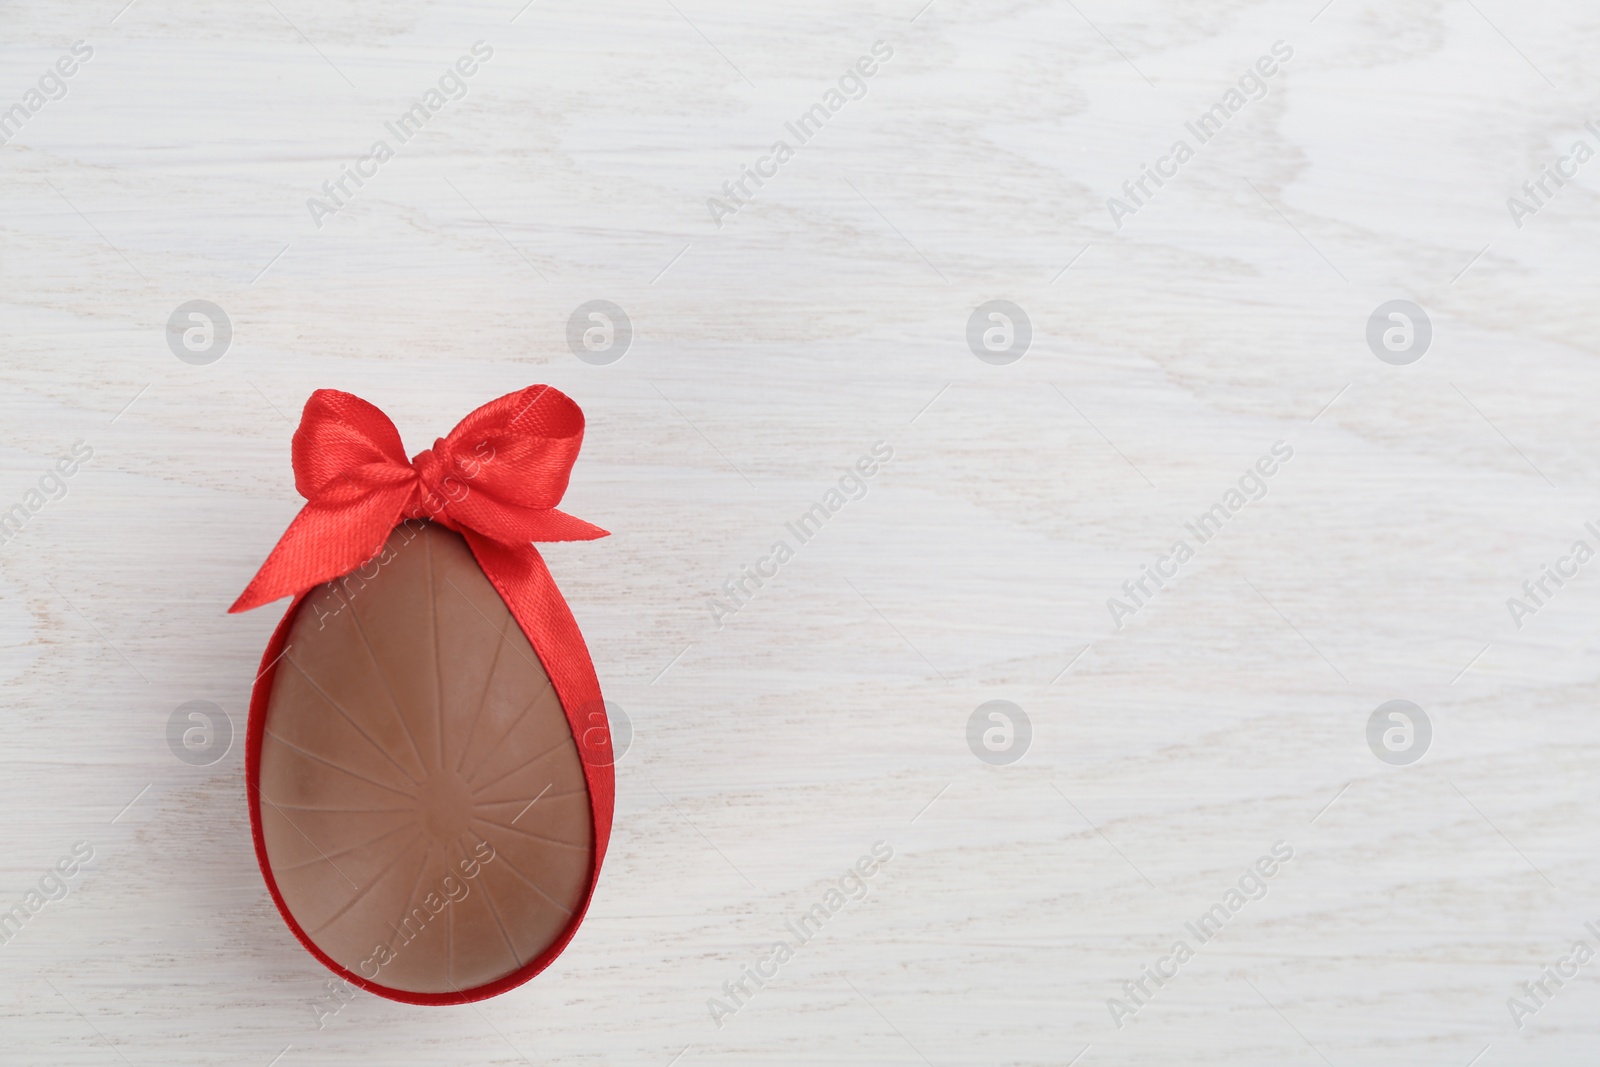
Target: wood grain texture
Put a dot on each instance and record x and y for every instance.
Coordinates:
(773, 746)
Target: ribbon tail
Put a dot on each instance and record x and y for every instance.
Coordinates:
(323, 542)
(516, 526)
(559, 526)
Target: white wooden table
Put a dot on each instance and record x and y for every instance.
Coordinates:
(769, 353)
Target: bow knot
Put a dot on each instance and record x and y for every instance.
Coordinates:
(497, 476)
(433, 486)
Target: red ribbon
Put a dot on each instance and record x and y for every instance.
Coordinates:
(495, 480)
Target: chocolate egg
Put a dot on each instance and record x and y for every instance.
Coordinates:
(424, 810)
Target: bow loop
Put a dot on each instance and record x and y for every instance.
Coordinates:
(531, 439)
(498, 474)
(343, 439)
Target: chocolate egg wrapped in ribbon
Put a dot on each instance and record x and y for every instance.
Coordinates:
(428, 761)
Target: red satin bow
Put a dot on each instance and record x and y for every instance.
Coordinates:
(498, 475)
(496, 480)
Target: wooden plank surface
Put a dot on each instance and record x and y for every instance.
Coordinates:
(1176, 339)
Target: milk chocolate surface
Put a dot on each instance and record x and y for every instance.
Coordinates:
(423, 804)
